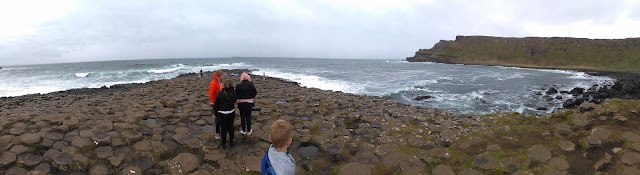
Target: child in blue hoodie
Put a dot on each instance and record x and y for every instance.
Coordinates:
(278, 161)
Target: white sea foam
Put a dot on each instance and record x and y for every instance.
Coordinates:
(313, 81)
(82, 75)
(7, 91)
(161, 71)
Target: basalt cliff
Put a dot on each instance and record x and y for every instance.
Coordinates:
(536, 52)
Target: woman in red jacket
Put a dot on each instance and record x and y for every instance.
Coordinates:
(214, 88)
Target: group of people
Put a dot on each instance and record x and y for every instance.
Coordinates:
(224, 98)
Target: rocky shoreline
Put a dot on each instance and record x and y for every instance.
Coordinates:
(164, 127)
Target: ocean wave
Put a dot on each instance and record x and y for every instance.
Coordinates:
(83, 75)
(314, 81)
(8, 91)
(162, 71)
(16, 68)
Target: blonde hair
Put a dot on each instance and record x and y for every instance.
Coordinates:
(281, 132)
(219, 73)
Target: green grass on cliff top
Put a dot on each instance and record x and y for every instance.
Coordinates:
(550, 55)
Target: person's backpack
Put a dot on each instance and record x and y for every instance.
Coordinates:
(266, 167)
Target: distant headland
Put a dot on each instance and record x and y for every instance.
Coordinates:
(537, 52)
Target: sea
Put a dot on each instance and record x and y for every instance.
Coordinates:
(465, 89)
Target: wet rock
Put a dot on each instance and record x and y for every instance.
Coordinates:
(81, 142)
(620, 118)
(7, 158)
(104, 152)
(593, 142)
(55, 136)
(510, 164)
(539, 153)
(422, 97)
(143, 163)
(183, 163)
(395, 158)
(308, 152)
(630, 171)
(99, 170)
(63, 158)
(60, 144)
(131, 170)
(115, 160)
(100, 137)
(143, 145)
(493, 147)
(253, 163)
(29, 159)
(581, 120)
(18, 149)
(551, 91)
(355, 168)
(440, 152)
(131, 136)
(566, 145)
(104, 126)
(30, 138)
(485, 161)
(631, 137)
(16, 131)
(577, 91)
(602, 163)
(630, 158)
(559, 163)
(601, 133)
(181, 130)
(86, 133)
(43, 167)
(16, 171)
(442, 170)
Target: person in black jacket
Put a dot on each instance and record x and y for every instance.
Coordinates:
(246, 94)
(224, 108)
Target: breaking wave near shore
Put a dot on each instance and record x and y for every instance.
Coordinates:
(45, 79)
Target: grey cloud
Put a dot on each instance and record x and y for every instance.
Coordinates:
(105, 30)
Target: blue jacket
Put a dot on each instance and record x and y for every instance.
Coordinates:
(283, 163)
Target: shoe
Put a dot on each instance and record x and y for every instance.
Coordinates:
(223, 145)
(250, 131)
(217, 137)
(231, 144)
(242, 132)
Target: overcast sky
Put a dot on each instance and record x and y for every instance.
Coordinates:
(33, 32)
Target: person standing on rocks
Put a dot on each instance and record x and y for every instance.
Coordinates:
(214, 88)
(246, 92)
(224, 109)
(200, 72)
(278, 160)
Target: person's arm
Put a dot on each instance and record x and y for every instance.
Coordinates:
(211, 93)
(237, 89)
(253, 92)
(216, 106)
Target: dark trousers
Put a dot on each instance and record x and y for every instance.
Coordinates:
(226, 123)
(216, 120)
(245, 115)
